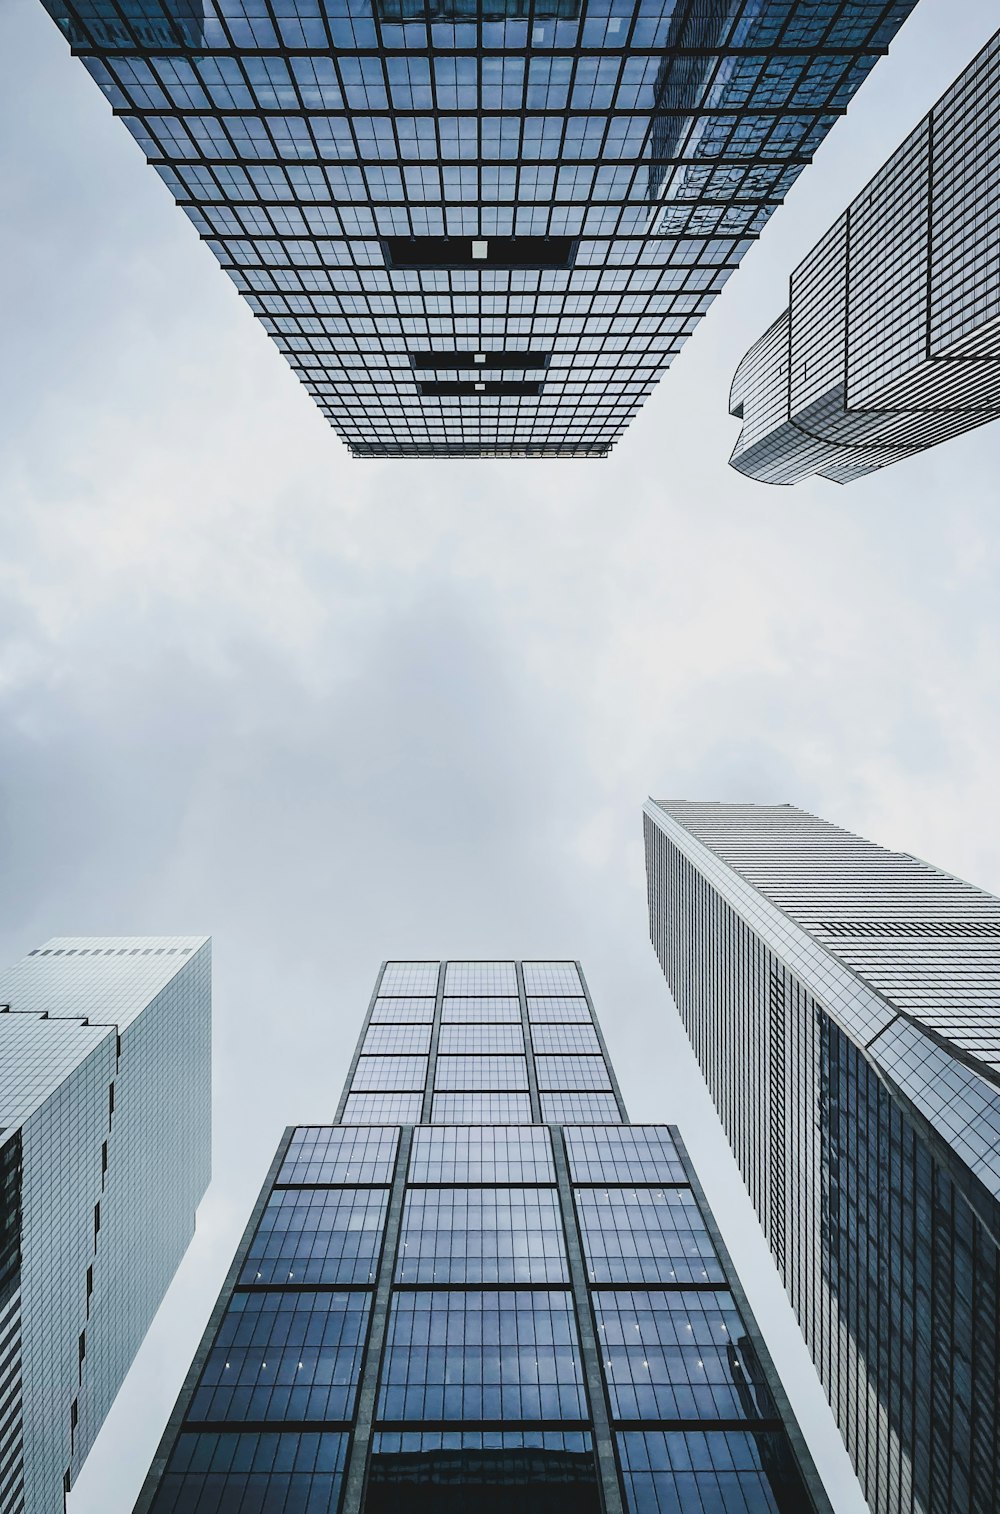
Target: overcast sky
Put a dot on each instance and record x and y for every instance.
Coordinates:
(333, 711)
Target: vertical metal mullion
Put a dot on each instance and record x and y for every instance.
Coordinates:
(432, 1051)
(356, 1474)
(529, 1050)
(612, 1497)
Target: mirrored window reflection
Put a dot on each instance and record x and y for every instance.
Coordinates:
(645, 1235)
(627, 1154)
(382, 1108)
(330, 1154)
(210, 1471)
(552, 978)
(481, 1235)
(482, 1472)
(580, 1108)
(480, 1039)
(285, 1356)
(482, 1154)
(403, 1012)
(317, 1236)
(482, 1355)
(678, 1355)
(409, 978)
(556, 1009)
(709, 1472)
(481, 1012)
(481, 1108)
(481, 1073)
(490, 978)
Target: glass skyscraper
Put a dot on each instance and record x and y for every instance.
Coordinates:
(481, 1289)
(105, 1152)
(844, 1004)
(891, 340)
(479, 227)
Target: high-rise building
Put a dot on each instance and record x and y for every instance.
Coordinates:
(105, 1152)
(844, 1004)
(891, 340)
(479, 227)
(481, 1289)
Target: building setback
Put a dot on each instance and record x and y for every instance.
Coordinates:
(481, 1289)
(844, 1004)
(479, 229)
(105, 1152)
(891, 340)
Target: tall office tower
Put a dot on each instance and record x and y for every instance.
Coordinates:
(105, 1151)
(479, 227)
(844, 1004)
(481, 1289)
(891, 340)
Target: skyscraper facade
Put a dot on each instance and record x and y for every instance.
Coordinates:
(844, 1004)
(479, 227)
(481, 1289)
(891, 340)
(105, 1152)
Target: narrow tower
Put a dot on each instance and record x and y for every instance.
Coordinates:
(844, 1004)
(481, 1289)
(105, 1152)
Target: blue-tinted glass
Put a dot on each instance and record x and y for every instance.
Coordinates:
(645, 1235)
(481, 1154)
(402, 1074)
(318, 1237)
(480, 1108)
(481, 1011)
(482, 1355)
(709, 1472)
(579, 1108)
(481, 1235)
(329, 1154)
(628, 1154)
(285, 1356)
(379, 1108)
(572, 1073)
(235, 1472)
(481, 1073)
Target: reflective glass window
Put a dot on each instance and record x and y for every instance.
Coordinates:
(480, 978)
(479, 1039)
(317, 1236)
(482, 1355)
(566, 1038)
(211, 1471)
(480, 1108)
(572, 1072)
(624, 1154)
(481, 1072)
(284, 1356)
(645, 1235)
(409, 979)
(481, 1012)
(709, 1472)
(481, 1235)
(676, 1356)
(401, 1073)
(555, 1009)
(399, 1040)
(579, 1108)
(403, 1012)
(552, 978)
(491, 1471)
(379, 1108)
(330, 1154)
(481, 1154)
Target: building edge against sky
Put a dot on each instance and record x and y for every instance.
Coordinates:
(105, 1153)
(844, 1004)
(479, 227)
(891, 340)
(481, 1287)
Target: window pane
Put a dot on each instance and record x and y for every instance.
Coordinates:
(645, 1235)
(310, 1236)
(214, 1471)
(482, 1355)
(481, 1072)
(572, 1072)
(481, 1038)
(409, 978)
(480, 978)
(566, 1038)
(399, 1039)
(403, 1011)
(330, 1154)
(483, 1011)
(709, 1472)
(284, 1356)
(552, 978)
(402, 1073)
(480, 1108)
(492, 1471)
(555, 1009)
(481, 1154)
(382, 1108)
(626, 1154)
(481, 1235)
(579, 1108)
